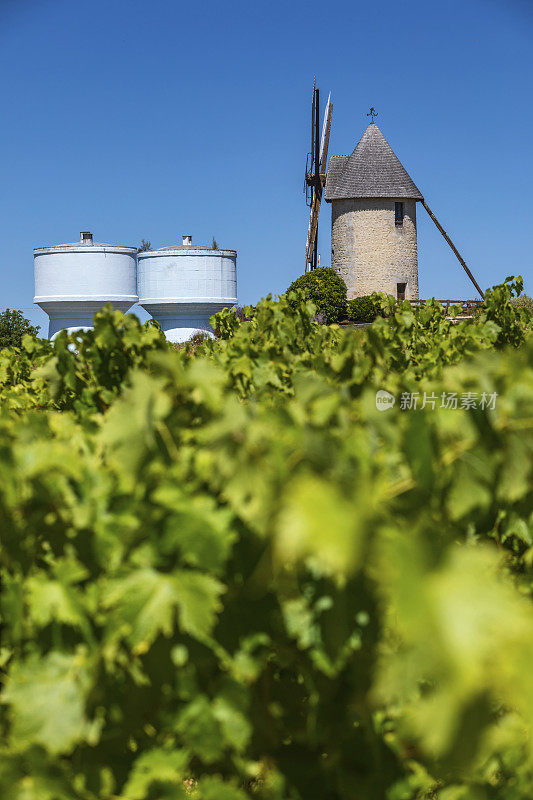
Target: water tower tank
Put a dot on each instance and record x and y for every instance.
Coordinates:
(72, 281)
(182, 286)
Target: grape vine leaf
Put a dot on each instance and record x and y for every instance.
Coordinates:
(47, 696)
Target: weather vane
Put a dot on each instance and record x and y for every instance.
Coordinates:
(372, 113)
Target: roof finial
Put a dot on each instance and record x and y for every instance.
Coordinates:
(372, 113)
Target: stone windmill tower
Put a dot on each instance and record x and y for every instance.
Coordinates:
(373, 219)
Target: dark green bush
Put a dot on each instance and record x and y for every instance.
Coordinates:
(326, 289)
(363, 309)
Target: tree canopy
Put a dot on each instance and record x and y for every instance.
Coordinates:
(13, 326)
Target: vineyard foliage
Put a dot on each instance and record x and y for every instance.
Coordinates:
(227, 574)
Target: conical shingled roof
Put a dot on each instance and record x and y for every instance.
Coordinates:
(372, 170)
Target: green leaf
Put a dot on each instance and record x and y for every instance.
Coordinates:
(196, 528)
(198, 602)
(235, 725)
(316, 520)
(47, 698)
(214, 788)
(200, 730)
(34, 775)
(146, 602)
(50, 600)
(131, 426)
(157, 770)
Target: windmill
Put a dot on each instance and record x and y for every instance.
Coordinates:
(315, 173)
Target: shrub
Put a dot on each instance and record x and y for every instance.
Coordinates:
(326, 289)
(363, 309)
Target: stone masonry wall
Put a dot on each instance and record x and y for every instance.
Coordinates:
(370, 252)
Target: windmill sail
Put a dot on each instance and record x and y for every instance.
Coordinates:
(315, 176)
(324, 126)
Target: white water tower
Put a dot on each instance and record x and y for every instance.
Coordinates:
(72, 281)
(183, 286)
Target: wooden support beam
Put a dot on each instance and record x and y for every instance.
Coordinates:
(455, 250)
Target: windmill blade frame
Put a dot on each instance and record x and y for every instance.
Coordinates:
(313, 132)
(315, 177)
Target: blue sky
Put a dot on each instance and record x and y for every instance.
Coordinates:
(157, 118)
